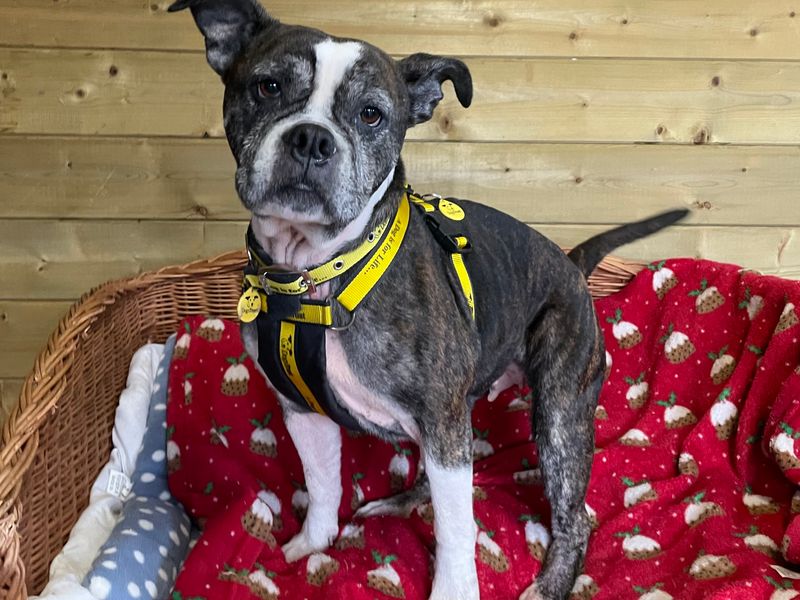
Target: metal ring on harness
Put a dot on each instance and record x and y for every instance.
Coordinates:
(349, 323)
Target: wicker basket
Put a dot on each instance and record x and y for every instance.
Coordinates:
(59, 437)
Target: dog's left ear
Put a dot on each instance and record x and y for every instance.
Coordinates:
(227, 25)
(424, 75)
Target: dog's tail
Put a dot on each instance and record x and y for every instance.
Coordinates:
(588, 254)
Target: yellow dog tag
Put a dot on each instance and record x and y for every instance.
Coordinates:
(249, 305)
(451, 210)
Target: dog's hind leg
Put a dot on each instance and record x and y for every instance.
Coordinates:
(399, 505)
(565, 371)
(319, 443)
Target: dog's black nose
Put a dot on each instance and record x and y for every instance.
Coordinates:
(310, 141)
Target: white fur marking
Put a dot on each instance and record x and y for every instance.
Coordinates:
(512, 376)
(454, 526)
(319, 443)
(334, 60)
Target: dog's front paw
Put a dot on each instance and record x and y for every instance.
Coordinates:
(304, 544)
(455, 586)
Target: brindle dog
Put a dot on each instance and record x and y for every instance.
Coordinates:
(316, 124)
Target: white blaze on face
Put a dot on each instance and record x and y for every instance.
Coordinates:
(334, 60)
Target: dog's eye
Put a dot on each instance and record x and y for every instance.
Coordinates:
(371, 116)
(269, 88)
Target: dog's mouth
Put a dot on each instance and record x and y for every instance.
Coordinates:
(298, 201)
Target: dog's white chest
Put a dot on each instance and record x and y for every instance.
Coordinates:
(365, 403)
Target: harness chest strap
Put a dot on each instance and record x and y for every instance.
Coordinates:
(292, 349)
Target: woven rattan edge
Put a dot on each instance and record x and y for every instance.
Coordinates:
(44, 386)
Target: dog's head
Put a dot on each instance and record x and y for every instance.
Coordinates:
(316, 123)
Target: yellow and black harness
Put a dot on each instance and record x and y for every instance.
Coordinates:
(291, 328)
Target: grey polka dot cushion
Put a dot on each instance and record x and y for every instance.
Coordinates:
(142, 555)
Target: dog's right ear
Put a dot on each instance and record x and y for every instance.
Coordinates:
(227, 25)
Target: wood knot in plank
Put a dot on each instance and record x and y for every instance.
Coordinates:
(703, 136)
(492, 20)
(703, 204)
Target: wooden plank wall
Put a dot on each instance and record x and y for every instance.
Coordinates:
(586, 114)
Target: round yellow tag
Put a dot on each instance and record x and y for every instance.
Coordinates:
(451, 210)
(249, 305)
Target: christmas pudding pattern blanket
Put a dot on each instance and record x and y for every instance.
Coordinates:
(693, 491)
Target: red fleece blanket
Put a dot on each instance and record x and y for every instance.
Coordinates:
(693, 490)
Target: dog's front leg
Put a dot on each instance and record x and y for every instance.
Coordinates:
(448, 463)
(319, 443)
